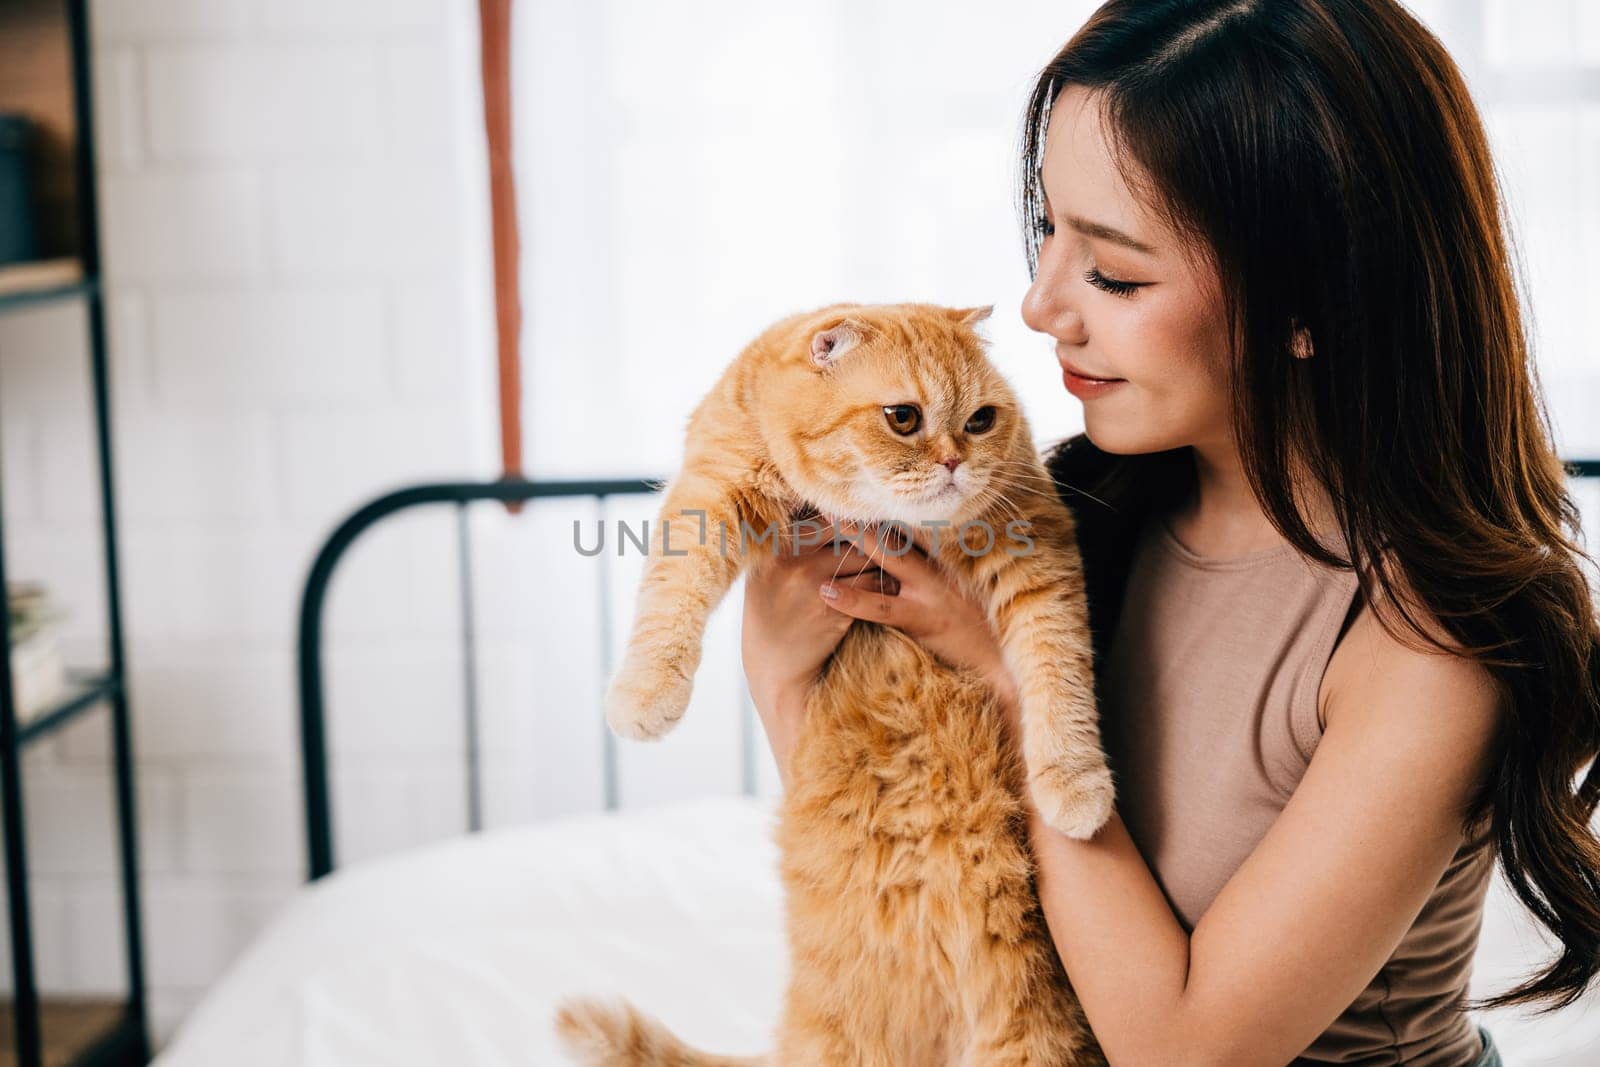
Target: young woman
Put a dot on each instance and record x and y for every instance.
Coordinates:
(1346, 654)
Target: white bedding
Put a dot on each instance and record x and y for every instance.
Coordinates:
(457, 953)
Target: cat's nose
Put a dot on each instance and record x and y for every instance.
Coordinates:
(951, 462)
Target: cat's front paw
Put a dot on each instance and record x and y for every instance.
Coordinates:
(1075, 799)
(643, 703)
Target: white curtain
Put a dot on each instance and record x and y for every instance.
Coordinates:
(689, 173)
(1534, 67)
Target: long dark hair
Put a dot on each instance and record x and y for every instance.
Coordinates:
(1328, 156)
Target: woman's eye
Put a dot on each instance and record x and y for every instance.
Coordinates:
(1114, 286)
(903, 418)
(982, 420)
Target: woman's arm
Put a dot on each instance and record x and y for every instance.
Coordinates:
(788, 632)
(1106, 912)
(1315, 910)
(1318, 906)
(781, 710)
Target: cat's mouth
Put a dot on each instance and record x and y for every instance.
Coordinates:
(943, 495)
(945, 490)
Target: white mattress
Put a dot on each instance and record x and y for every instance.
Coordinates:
(457, 953)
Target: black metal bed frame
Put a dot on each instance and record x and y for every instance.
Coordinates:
(313, 736)
(319, 829)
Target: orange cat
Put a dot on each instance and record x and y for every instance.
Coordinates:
(915, 931)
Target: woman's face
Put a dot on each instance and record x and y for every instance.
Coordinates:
(1123, 299)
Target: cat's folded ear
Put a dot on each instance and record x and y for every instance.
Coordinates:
(971, 316)
(830, 345)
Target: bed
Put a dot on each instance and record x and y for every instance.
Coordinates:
(458, 951)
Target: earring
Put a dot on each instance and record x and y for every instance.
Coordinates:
(1300, 343)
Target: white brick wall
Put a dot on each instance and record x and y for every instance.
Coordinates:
(175, 226)
(291, 101)
(297, 266)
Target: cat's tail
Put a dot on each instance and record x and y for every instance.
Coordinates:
(617, 1034)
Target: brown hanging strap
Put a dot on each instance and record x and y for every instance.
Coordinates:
(494, 18)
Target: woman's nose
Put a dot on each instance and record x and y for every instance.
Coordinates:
(1046, 308)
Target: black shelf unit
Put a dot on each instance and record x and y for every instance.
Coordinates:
(124, 1039)
(84, 287)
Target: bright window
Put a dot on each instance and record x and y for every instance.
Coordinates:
(689, 173)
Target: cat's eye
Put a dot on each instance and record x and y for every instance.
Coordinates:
(903, 418)
(982, 420)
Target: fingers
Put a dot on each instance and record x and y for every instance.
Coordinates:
(886, 547)
(845, 564)
(879, 599)
(821, 543)
(868, 580)
(874, 603)
(815, 550)
(834, 550)
(808, 534)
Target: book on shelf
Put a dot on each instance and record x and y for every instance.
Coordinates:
(39, 276)
(38, 673)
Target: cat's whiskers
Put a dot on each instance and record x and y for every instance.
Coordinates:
(1037, 471)
(1014, 481)
(987, 496)
(1023, 472)
(1091, 496)
(1046, 478)
(992, 496)
(843, 556)
(1055, 484)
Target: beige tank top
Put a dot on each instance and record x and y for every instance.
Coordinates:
(1210, 720)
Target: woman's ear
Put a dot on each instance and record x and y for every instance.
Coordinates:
(830, 345)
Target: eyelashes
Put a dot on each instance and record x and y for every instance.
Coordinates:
(1104, 282)
(1114, 286)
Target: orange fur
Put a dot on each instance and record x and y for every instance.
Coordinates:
(915, 931)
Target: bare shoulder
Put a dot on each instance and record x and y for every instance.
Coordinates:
(1373, 669)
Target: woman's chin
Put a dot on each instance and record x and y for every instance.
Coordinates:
(1120, 439)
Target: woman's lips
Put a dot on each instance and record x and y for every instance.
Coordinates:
(1079, 372)
(1084, 387)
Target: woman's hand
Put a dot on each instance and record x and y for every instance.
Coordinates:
(789, 631)
(929, 608)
